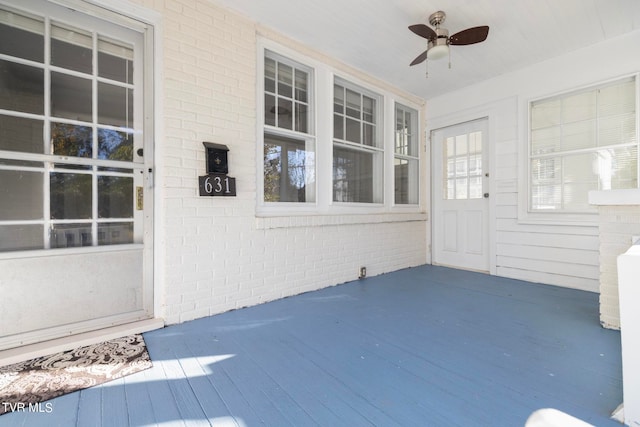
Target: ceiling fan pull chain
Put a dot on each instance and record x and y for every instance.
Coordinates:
(426, 75)
(449, 58)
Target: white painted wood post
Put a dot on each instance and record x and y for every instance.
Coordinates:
(629, 295)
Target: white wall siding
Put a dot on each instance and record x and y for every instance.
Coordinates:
(564, 254)
(217, 254)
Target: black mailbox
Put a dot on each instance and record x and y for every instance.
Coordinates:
(216, 156)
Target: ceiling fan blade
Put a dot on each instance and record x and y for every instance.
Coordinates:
(470, 36)
(420, 58)
(423, 31)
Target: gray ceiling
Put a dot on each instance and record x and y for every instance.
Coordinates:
(372, 35)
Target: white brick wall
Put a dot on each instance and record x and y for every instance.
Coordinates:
(618, 224)
(217, 255)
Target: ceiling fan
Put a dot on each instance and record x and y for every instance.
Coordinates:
(439, 39)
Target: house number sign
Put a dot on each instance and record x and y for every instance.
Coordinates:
(217, 185)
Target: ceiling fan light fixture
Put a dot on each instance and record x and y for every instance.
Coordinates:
(438, 52)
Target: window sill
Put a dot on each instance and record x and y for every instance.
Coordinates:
(318, 220)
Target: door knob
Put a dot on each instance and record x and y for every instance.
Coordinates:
(486, 195)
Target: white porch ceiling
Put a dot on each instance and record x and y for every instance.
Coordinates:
(372, 35)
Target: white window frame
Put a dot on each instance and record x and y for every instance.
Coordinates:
(414, 181)
(525, 212)
(325, 73)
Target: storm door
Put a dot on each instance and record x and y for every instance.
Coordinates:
(75, 164)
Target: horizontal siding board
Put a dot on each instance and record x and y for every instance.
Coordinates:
(550, 279)
(551, 267)
(573, 256)
(547, 240)
(511, 224)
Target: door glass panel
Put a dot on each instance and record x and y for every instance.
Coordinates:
(70, 195)
(115, 197)
(115, 233)
(21, 195)
(462, 167)
(22, 88)
(70, 235)
(115, 145)
(21, 237)
(115, 61)
(21, 36)
(71, 48)
(71, 140)
(19, 134)
(70, 97)
(115, 105)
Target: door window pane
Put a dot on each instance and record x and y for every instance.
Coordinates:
(21, 36)
(21, 195)
(21, 237)
(71, 48)
(115, 105)
(22, 88)
(115, 145)
(19, 134)
(70, 195)
(71, 140)
(70, 97)
(70, 235)
(116, 233)
(462, 166)
(115, 197)
(115, 61)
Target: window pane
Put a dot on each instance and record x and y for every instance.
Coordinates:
(462, 188)
(285, 80)
(368, 109)
(546, 140)
(579, 135)
(115, 105)
(115, 145)
(115, 197)
(353, 131)
(289, 170)
(406, 181)
(475, 187)
(71, 48)
(115, 61)
(269, 110)
(338, 99)
(546, 113)
(356, 176)
(70, 97)
(269, 75)
(353, 104)
(21, 195)
(579, 107)
(70, 235)
(116, 233)
(617, 168)
(21, 237)
(368, 135)
(22, 88)
(21, 36)
(71, 140)
(546, 197)
(285, 113)
(70, 195)
(620, 129)
(301, 86)
(301, 117)
(338, 126)
(18, 134)
(618, 98)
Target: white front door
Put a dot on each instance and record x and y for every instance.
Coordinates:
(460, 196)
(76, 208)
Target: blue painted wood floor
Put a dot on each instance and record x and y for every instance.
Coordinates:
(426, 346)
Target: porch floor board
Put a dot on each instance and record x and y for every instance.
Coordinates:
(426, 346)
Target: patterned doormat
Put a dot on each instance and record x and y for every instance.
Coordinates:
(44, 378)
